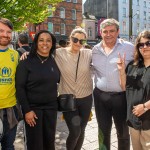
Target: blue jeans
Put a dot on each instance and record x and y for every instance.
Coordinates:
(9, 135)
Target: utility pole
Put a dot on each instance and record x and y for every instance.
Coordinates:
(107, 16)
(130, 19)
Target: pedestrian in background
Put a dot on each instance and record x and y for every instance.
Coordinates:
(62, 43)
(67, 59)
(8, 104)
(23, 42)
(36, 84)
(136, 81)
(109, 98)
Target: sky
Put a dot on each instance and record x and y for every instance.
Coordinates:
(83, 1)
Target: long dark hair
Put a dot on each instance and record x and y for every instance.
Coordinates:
(137, 55)
(35, 42)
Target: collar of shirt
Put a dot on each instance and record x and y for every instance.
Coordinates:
(119, 41)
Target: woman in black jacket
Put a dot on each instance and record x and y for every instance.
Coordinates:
(36, 85)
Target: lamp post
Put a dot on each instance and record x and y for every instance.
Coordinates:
(107, 13)
(130, 19)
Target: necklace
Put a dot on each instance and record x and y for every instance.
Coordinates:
(42, 61)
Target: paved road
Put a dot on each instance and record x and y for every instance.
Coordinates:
(91, 138)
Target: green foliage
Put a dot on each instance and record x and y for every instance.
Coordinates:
(26, 11)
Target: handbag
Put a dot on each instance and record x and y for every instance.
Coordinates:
(67, 102)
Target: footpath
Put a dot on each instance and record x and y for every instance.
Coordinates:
(90, 141)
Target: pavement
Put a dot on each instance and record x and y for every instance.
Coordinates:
(90, 141)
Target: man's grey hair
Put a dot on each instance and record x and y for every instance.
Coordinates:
(109, 22)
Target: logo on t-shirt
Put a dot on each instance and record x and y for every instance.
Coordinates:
(5, 74)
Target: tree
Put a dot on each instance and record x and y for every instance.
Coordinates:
(26, 11)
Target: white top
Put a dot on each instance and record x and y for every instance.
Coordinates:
(105, 65)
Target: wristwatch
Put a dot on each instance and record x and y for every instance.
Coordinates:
(145, 108)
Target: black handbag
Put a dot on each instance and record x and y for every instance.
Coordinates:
(67, 102)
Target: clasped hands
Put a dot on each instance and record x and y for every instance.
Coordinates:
(138, 110)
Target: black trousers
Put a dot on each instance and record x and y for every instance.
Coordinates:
(108, 105)
(42, 135)
(77, 121)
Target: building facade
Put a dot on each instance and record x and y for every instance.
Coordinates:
(140, 17)
(119, 9)
(89, 23)
(63, 20)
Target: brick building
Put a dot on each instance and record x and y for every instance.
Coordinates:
(67, 15)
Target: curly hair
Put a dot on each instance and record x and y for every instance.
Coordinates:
(109, 22)
(137, 55)
(35, 43)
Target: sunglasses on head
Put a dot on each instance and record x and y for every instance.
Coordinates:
(75, 40)
(141, 45)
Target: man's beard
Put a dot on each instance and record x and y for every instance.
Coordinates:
(5, 42)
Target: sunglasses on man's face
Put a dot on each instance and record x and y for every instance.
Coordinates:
(141, 45)
(75, 40)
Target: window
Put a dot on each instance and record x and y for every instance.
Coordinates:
(124, 1)
(68, 0)
(138, 3)
(124, 27)
(144, 3)
(145, 26)
(73, 14)
(144, 15)
(138, 14)
(74, 1)
(124, 12)
(89, 32)
(63, 29)
(50, 27)
(138, 27)
(50, 10)
(62, 12)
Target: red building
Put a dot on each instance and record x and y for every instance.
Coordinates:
(67, 15)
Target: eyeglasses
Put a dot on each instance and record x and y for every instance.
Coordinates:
(75, 40)
(141, 45)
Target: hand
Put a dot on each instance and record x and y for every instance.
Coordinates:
(138, 110)
(24, 56)
(121, 63)
(30, 118)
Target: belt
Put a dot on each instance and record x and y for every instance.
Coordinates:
(111, 93)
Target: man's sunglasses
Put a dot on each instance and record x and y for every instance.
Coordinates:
(141, 45)
(75, 40)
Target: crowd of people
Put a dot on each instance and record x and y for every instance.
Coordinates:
(31, 85)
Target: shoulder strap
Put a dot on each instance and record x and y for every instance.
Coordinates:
(77, 67)
(22, 50)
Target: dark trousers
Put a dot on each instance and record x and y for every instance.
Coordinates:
(77, 121)
(108, 105)
(9, 135)
(42, 135)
